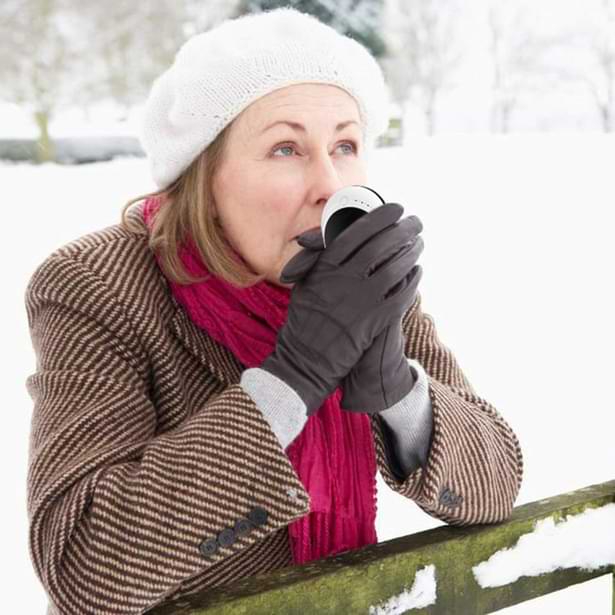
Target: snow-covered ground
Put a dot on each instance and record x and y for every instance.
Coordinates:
(519, 251)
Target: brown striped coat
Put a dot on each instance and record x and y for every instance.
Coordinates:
(144, 447)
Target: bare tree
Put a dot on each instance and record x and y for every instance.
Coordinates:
(133, 43)
(598, 38)
(60, 53)
(520, 59)
(35, 60)
(426, 53)
(123, 47)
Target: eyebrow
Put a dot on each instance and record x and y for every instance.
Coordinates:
(301, 128)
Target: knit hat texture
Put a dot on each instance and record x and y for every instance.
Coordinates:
(218, 73)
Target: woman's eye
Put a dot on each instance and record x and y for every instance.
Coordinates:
(281, 147)
(290, 146)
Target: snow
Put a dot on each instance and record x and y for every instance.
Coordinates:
(517, 261)
(421, 594)
(585, 540)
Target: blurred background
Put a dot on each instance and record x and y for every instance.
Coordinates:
(500, 140)
(74, 75)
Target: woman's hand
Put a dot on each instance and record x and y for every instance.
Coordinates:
(382, 376)
(357, 287)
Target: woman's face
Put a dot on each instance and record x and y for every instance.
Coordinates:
(274, 181)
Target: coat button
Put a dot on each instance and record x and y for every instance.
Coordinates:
(258, 516)
(243, 527)
(208, 547)
(226, 537)
(449, 498)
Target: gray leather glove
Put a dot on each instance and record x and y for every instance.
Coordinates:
(361, 283)
(382, 375)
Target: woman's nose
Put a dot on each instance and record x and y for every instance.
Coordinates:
(326, 178)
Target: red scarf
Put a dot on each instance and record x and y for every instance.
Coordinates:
(334, 455)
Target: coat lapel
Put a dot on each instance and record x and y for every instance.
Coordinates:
(213, 355)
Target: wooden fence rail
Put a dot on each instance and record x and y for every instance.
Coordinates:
(369, 577)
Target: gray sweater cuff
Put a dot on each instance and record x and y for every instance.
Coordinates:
(280, 404)
(410, 419)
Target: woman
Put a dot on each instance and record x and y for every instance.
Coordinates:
(199, 417)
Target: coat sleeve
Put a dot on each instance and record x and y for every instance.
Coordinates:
(474, 466)
(122, 513)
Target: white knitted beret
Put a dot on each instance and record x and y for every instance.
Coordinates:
(218, 73)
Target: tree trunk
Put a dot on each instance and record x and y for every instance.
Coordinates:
(430, 113)
(507, 109)
(45, 151)
(607, 109)
(494, 122)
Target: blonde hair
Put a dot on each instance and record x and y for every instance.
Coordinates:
(189, 211)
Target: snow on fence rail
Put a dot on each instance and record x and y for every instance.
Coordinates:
(544, 546)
